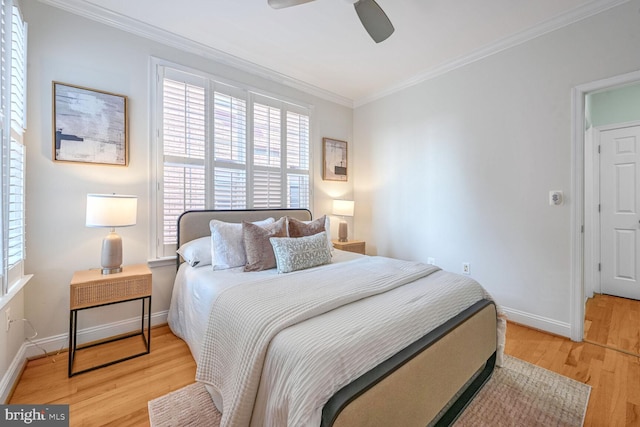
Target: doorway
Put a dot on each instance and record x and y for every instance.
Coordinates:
(610, 249)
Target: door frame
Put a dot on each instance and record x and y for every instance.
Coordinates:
(578, 128)
(592, 230)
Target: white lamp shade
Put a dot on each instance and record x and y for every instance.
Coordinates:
(111, 210)
(343, 207)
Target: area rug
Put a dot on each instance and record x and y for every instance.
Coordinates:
(522, 394)
(518, 394)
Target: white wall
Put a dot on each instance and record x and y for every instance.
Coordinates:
(67, 48)
(459, 167)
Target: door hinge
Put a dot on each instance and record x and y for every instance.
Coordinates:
(582, 228)
(598, 208)
(599, 267)
(598, 149)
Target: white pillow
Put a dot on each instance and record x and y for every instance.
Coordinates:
(227, 246)
(298, 253)
(197, 253)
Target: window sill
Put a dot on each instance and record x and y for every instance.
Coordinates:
(162, 262)
(15, 289)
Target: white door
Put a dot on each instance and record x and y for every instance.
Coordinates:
(619, 216)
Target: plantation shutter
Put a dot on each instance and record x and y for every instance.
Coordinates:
(13, 115)
(298, 188)
(4, 75)
(15, 246)
(267, 156)
(230, 148)
(18, 72)
(183, 142)
(225, 147)
(16, 206)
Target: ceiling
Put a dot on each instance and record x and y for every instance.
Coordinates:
(322, 45)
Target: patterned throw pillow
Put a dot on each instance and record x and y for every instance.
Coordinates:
(298, 253)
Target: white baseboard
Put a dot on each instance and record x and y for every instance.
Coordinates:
(61, 342)
(538, 322)
(56, 343)
(13, 373)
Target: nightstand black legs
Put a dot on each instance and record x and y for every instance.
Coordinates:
(146, 337)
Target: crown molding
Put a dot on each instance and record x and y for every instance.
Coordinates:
(142, 29)
(593, 8)
(113, 19)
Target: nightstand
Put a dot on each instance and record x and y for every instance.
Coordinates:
(356, 246)
(91, 289)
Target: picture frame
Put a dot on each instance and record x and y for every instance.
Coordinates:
(335, 160)
(89, 126)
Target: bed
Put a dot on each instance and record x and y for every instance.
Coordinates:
(379, 358)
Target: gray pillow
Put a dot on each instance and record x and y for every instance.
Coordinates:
(227, 246)
(298, 253)
(257, 246)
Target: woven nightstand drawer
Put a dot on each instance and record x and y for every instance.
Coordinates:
(90, 288)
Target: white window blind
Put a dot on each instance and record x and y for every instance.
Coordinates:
(13, 37)
(5, 75)
(267, 157)
(229, 143)
(184, 133)
(298, 189)
(18, 72)
(226, 147)
(15, 246)
(4, 78)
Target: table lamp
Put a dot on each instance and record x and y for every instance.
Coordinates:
(111, 210)
(343, 208)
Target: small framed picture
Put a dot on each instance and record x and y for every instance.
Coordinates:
(334, 155)
(89, 126)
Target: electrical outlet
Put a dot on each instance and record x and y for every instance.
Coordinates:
(7, 315)
(431, 261)
(466, 268)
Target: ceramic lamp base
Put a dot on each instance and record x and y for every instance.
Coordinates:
(111, 260)
(342, 231)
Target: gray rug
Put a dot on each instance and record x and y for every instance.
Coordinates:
(519, 394)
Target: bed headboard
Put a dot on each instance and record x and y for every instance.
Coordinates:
(195, 224)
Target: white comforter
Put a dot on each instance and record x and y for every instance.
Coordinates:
(308, 361)
(195, 289)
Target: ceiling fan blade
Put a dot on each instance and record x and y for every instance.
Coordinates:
(374, 19)
(281, 4)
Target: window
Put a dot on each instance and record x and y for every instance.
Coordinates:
(13, 38)
(223, 146)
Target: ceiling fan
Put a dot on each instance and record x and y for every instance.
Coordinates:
(373, 18)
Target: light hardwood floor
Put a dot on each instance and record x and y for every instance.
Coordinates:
(613, 322)
(613, 375)
(117, 395)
